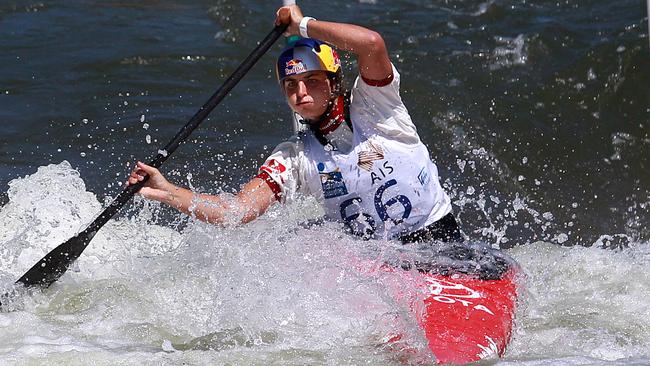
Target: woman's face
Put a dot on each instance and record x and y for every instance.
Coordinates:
(309, 93)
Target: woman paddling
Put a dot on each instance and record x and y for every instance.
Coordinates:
(361, 156)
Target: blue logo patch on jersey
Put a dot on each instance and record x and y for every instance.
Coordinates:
(424, 176)
(332, 182)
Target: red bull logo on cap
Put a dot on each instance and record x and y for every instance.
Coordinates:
(295, 66)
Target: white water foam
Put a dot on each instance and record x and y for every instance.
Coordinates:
(584, 305)
(45, 208)
(274, 292)
(274, 287)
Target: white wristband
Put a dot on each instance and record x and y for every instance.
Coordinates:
(303, 26)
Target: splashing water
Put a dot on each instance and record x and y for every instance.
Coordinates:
(275, 290)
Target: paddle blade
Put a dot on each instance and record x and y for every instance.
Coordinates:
(51, 267)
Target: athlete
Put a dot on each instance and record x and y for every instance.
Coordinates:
(359, 153)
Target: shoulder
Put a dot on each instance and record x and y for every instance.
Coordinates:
(390, 85)
(292, 147)
(287, 169)
(383, 100)
(380, 109)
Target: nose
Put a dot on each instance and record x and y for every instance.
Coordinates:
(302, 89)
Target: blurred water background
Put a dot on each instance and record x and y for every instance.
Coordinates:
(537, 114)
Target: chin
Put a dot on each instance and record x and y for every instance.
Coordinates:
(306, 113)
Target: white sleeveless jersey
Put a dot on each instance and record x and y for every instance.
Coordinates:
(385, 186)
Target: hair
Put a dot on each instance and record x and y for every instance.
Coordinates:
(337, 83)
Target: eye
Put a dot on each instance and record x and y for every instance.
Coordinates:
(290, 84)
(315, 81)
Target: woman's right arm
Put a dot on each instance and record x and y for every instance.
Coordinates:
(250, 202)
(369, 47)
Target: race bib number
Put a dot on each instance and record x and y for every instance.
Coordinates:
(363, 224)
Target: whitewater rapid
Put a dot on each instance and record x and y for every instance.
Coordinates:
(149, 290)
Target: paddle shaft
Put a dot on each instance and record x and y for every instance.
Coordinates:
(51, 267)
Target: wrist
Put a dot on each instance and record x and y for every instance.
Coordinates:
(302, 27)
(172, 196)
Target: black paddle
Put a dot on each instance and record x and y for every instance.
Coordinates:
(55, 263)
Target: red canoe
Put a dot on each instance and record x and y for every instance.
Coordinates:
(467, 319)
(464, 318)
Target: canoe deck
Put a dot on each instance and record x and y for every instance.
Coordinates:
(467, 319)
